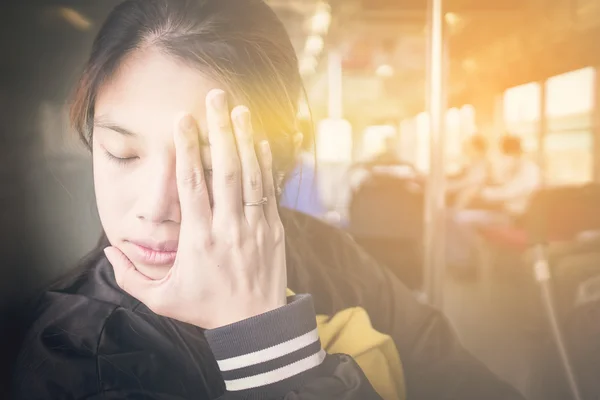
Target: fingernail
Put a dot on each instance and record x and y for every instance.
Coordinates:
(187, 123)
(265, 147)
(218, 99)
(241, 116)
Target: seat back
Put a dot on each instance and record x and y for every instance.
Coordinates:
(576, 297)
(386, 219)
(560, 214)
(388, 207)
(572, 289)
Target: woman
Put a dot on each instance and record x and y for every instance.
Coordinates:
(185, 295)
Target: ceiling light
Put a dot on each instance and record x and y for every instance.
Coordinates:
(314, 45)
(385, 71)
(452, 19)
(320, 22)
(469, 65)
(75, 18)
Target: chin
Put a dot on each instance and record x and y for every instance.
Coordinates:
(154, 272)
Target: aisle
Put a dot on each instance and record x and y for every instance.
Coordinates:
(497, 317)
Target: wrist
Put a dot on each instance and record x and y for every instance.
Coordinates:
(239, 310)
(269, 352)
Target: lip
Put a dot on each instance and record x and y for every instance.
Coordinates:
(154, 253)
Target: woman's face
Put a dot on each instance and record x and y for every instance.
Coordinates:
(135, 118)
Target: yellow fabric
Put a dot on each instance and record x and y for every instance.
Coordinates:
(350, 332)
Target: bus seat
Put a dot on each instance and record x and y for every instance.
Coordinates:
(560, 214)
(386, 219)
(553, 215)
(506, 237)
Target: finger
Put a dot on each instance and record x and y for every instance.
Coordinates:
(128, 277)
(191, 181)
(251, 175)
(226, 165)
(266, 166)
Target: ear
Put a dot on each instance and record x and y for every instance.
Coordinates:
(297, 139)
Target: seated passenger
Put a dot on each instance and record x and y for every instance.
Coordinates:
(185, 295)
(500, 204)
(388, 154)
(474, 176)
(520, 177)
(384, 162)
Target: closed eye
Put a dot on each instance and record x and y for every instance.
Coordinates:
(119, 160)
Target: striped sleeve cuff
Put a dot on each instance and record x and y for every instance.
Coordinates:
(271, 354)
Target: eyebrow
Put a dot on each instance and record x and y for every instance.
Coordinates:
(102, 122)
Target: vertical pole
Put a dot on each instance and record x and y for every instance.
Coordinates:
(330, 174)
(334, 74)
(541, 270)
(499, 125)
(542, 131)
(435, 219)
(596, 126)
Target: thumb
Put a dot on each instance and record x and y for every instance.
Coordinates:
(127, 276)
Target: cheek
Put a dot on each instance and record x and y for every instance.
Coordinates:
(113, 195)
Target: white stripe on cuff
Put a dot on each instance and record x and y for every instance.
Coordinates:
(276, 375)
(269, 353)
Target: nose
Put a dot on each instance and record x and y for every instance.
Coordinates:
(158, 200)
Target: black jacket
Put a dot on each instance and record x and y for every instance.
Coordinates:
(90, 340)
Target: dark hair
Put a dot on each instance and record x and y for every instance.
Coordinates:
(242, 45)
(479, 143)
(511, 145)
(305, 126)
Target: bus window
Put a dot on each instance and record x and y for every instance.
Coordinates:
(522, 114)
(568, 142)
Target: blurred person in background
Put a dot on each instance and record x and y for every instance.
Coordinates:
(301, 191)
(474, 175)
(384, 161)
(500, 204)
(519, 177)
(387, 155)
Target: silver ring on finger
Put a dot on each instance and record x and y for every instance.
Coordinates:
(261, 202)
